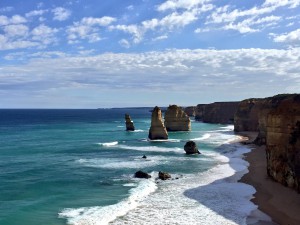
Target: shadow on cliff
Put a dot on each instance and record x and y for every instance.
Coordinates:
(225, 196)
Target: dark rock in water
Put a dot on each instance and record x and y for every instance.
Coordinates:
(141, 174)
(144, 157)
(163, 175)
(129, 123)
(191, 148)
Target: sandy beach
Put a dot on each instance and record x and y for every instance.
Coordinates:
(282, 204)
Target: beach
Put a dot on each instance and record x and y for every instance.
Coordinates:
(277, 201)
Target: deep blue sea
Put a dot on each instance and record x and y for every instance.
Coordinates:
(76, 167)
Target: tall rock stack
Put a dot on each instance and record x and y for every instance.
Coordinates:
(283, 141)
(176, 119)
(157, 130)
(129, 123)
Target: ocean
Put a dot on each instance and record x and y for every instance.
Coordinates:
(76, 167)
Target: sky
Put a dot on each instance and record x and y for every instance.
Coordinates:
(117, 53)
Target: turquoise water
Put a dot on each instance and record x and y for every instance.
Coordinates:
(56, 161)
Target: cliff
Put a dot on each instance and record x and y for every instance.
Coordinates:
(283, 140)
(176, 119)
(157, 129)
(190, 110)
(199, 111)
(218, 112)
(129, 123)
(246, 116)
(277, 120)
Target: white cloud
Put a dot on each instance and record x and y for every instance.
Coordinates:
(44, 34)
(124, 43)
(16, 30)
(88, 28)
(7, 9)
(61, 13)
(291, 37)
(160, 38)
(35, 13)
(170, 70)
(180, 4)
(103, 21)
(7, 44)
(15, 19)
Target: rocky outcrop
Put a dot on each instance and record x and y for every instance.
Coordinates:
(176, 119)
(164, 175)
(283, 140)
(190, 111)
(157, 129)
(129, 123)
(199, 112)
(219, 112)
(190, 147)
(141, 174)
(247, 114)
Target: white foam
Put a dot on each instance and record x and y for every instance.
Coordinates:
(212, 197)
(120, 126)
(130, 185)
(151, 149)
(204, 137)
(138, 131)
(108, 144)
(103, 215)
(124, 163)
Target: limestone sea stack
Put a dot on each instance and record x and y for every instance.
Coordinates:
(176, 119)
(157, 130)
(129, 123)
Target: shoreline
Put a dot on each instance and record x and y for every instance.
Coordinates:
(280, 203)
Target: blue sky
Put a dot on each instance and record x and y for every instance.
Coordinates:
(116, 53)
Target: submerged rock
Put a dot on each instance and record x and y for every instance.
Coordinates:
(164, 175)
(176, 119)
(157, 130)
(129, 123)
(141, 174)
(144, 157)
(191, 148)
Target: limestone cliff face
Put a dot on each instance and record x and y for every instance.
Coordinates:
(190, 110)
(157, 129)
(129, 123)
(246, 116)
(218, 112)
(199, 112)
(266, 106)
(283, 140)
(176, 119)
